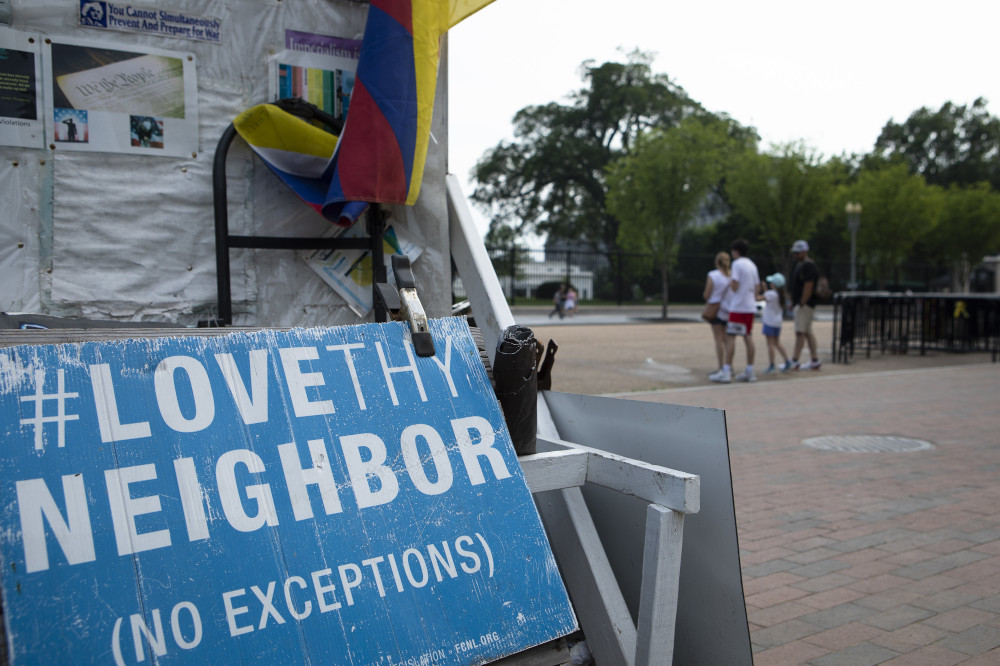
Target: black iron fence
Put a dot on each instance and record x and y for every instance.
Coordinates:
(903, 322)
(528, 276)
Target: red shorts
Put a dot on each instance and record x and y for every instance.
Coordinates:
(740, 323)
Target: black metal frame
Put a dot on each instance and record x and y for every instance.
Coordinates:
(899, 322)
(224, 241)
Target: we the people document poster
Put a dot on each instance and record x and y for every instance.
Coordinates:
(20, 90)
(110, 100)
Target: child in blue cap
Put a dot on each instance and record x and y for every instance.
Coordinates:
(774, 307)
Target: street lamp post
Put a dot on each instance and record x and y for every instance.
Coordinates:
(853, 210)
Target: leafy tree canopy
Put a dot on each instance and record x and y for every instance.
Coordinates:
(551, 177)
(655, 190)
(782, 195)
(969, 228)
(899, 209)
(953, 145)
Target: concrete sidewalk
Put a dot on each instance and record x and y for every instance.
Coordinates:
(848, 557)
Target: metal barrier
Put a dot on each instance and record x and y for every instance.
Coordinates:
(897, 322)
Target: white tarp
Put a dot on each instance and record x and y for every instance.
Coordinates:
(107, 235)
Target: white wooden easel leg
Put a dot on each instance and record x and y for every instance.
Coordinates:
(597, 599)
(661, 570)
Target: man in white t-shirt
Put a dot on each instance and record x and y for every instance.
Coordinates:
(744, 284)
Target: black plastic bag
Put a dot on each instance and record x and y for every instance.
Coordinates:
(517, 386)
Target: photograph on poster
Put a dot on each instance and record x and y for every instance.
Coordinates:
(146, 131)
(133, 99)
(71, 126)
(117, 81)
(20, 90)
(316, 68)
(329, 90)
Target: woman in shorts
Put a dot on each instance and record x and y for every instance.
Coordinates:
(717, 291)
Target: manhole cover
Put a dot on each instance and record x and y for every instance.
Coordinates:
(868, 443)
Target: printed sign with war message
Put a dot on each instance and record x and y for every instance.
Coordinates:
(149, 20)
(308, 496)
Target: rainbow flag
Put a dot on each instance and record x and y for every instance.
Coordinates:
(381, 152)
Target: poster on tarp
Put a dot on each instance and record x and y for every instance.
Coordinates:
(21, 109)
(316, 68)
(109, 100)
(319, 496)
(149, 20)
(350, 272)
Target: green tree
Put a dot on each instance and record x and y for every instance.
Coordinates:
(551, 178)
(830, 243)
(655, 191)
(782, 195)
(899, 209)
(969, 229)
(953, 145)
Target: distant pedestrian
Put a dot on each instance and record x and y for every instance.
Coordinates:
(559, 302)
(803, 293)
(570, 305)
(716, 311)
(774, 310)
(744, 282)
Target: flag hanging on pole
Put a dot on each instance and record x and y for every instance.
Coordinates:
(380, 155)
(383, 148)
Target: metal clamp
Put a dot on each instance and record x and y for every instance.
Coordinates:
(404, 305)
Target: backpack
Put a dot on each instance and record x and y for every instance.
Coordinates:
(823, 291)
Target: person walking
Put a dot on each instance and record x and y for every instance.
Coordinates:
(570, 305)
(716, 311)
(774, 308)
(803, 292)
(559, 302)
(744, 282)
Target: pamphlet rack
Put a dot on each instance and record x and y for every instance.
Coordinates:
(225, 241)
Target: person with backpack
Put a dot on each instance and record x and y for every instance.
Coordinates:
(805, 276)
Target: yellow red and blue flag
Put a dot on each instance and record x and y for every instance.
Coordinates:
(381, 152)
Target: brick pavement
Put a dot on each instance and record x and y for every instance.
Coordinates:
(847, 558)
(867, 558)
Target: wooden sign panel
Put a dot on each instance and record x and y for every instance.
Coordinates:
(317, 496)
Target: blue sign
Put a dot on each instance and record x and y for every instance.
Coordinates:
(316, 496)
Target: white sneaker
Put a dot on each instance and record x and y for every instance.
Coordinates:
(721, 376)
(746, 377)
(812, 365)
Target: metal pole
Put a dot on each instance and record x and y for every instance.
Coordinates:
(853, 284)
(513, 273)
(618, 277)
(853, 211)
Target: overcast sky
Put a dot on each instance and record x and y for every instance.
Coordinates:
(830, 74)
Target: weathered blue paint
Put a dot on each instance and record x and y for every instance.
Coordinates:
(158, 518)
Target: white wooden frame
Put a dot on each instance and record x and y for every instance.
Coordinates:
(564, 469)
